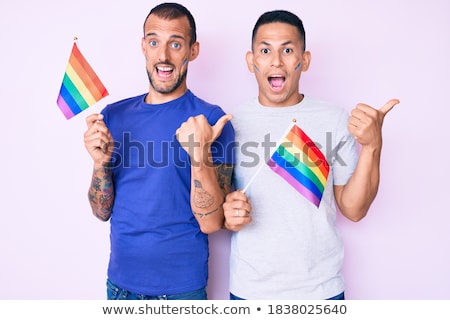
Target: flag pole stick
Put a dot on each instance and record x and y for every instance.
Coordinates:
(253, 178)
(262, 165)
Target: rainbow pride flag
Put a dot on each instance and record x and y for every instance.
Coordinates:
(81, 87)
(298, 161)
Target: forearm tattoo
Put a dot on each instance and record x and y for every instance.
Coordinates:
(224, 173)
(203, 199)
(201, 215)
(101, 193)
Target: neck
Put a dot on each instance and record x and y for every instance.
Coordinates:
(154, 97)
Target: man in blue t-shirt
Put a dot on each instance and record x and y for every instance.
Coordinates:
(162, 166)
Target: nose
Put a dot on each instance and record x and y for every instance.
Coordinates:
(162, 53)
(276, 59)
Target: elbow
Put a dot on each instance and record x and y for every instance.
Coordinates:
(355, 215)
(208, 229)
(101, 212)
(211, 226)
(101, 217)
(353, 210)
(356, 218)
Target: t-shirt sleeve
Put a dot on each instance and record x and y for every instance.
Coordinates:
(223, 148)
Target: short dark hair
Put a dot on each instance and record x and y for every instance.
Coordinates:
(280, 16)
(172, 10)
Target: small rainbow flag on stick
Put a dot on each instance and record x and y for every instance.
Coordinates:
(81, 87)
(298, 161)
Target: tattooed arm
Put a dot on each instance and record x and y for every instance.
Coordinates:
(99, 143)
(209, 183)
(209, 187)
(101, 193)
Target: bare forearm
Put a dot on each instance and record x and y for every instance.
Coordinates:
(101, 193)
(357, 195)
(210, 184)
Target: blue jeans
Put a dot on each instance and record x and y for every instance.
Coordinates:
(338, 297)
(113, 292)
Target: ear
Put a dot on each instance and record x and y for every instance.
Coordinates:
(250, 61)
(195, 50)
(143, 45)
(306, 60)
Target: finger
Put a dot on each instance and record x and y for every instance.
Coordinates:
(100, 126)
(96, 136)
(353, 121)
(361, 110)
(245, 210)
(239, 204)
(241, 215)
(93, 118)
(358, 113)
(236, 225)
(230, 207)
(94, 144)
(389, 105)
(218, 127)
(238, 213)
(236, 195)
(105, 147)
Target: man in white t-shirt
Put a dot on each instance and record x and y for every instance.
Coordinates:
(285, 244)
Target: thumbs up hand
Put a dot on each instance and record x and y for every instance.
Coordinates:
(196, 135)
(365, 123)
(218, 127)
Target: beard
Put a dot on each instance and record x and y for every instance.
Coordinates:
(168, 90)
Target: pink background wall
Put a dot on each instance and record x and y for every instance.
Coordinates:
(51, 247)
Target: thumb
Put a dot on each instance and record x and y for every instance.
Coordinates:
(388, 106)
(93, 118)
(218, 127)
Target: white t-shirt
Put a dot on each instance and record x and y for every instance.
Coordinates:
(291, 249)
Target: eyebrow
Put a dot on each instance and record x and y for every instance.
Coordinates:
(151, 34)
(269, 44)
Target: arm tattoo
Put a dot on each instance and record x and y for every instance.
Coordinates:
(201, 215)
(202, 198)
(224, 173)
(101, 193)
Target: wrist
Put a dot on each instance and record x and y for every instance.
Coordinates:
(201, 159)
(103, 169)
(371, 149)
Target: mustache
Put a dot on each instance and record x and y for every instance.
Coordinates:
(166, 63)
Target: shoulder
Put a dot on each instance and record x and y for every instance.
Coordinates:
(211, 111)
(246, 109)
(322, 106)
(325, 114)
(120, 104)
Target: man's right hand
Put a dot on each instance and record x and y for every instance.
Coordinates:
(236, 209)
(98, 140)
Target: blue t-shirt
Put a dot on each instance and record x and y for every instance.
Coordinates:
(156, 244)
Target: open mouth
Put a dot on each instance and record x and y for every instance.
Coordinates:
(164, 72)
(276, 82)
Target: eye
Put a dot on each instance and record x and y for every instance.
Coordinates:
(153, 43)
(265, 51)
(176, 45)
(287, 50)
